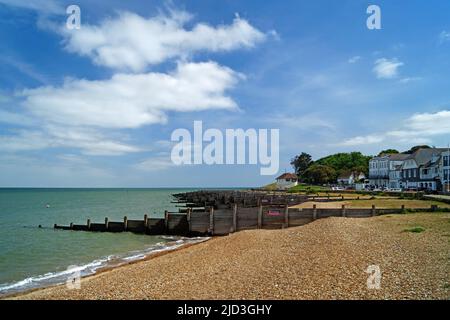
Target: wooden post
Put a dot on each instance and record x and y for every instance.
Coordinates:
(342, 197)
(260, 210)
(88, 224)
(343, 210)
(286, 216)
(357, 198)
(314, 212)
(403, 208)
(106, 223)
(166, 220)
(125, 223)
(54, 226)
(235, 217)
(434, 207)
(211, 221)
(71, 225)
(188, 215)
(373, 210)
(146, 221)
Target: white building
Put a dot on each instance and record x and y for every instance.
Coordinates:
(444, 171)
(385, 170)
(396, 161)
(286, 181)
(379, 171)
(350, 177)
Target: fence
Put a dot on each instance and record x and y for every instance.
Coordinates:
(231, 219)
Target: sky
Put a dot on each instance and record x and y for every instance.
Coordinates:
(96, 106)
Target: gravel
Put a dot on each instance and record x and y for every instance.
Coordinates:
(326, 259)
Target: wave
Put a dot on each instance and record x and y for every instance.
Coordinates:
(61, 277)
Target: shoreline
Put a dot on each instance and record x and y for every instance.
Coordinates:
(326, 259)
(107, 269)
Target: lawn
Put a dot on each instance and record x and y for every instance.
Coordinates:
(379, 203)
(306, 188)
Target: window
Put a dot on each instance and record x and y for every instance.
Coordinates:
(446, 158)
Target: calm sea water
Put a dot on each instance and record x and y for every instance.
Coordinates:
(33, 257)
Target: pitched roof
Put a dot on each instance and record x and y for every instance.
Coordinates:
(288, 176)
(422, 156)
(398, 156)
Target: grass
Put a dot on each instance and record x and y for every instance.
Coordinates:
(306, 188)
(379, 203)
(415, 230)
(270, 187)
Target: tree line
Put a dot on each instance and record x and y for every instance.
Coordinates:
(329, 168)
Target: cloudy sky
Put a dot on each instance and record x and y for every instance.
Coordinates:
(96, 107)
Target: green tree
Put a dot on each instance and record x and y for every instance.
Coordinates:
(301, 163)
(340, 162)
(388, 151)
(320, 174)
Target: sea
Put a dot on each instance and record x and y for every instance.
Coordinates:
(33, 254)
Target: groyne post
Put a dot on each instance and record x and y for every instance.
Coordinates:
(343, 210)
(403, 208)
(314, 212)
(235, 217)
(211, 220)
(106, 223)
(145, 221)
(166, 220)
(373, 211)
(188, 215)
(125, 223)
(71, 225)
(286, 216)
(260, 210)
(88, 224)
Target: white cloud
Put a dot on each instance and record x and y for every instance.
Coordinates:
(132, 42)
(362, 140)
(354, 59)
(157, 163)
(409, 79)
(387, 68)
(134, 100)
(305, 122)
(416, 129)
(24, 68)
(43, 6)
(88, 141)
(444, 36)
(15, 118)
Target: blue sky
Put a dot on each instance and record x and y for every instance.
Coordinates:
(95, 107)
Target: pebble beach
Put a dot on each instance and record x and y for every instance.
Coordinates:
(326, 259)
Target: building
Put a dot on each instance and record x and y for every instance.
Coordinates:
(350, 177)
(444, 170)
(379, 171)
(286, 181)
(395, 169)
(384, 170)
(421, 170)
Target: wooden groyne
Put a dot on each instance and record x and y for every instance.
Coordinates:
(224, 212)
